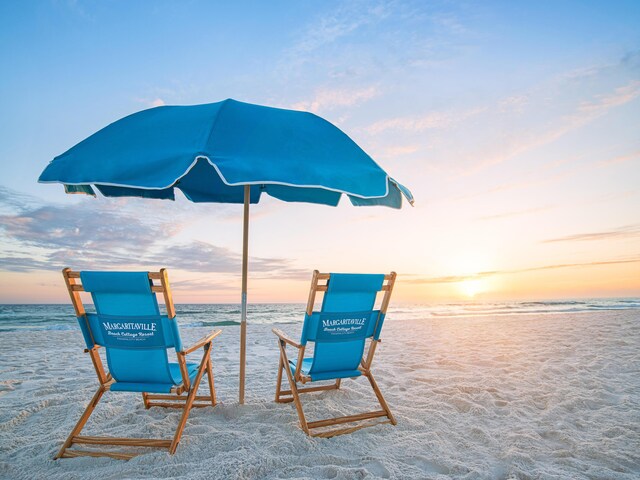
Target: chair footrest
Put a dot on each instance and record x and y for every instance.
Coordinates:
(132, 442)
(342, 431)
(182, 398)
(68, 453)
(284, 400)
(179, 405)
(310, 389)
(346, 419)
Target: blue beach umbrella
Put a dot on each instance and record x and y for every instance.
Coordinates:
(226, 152)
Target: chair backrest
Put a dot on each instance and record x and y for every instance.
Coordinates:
(129, 325)
(346, 320)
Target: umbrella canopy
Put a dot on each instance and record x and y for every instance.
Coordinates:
(211, 151)
(226, 152)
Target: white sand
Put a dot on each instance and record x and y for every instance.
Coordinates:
(511, 397)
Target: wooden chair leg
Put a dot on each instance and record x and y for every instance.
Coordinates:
(279, 381)
(212, 388)
(338, 381)
(145, 400)
(381, 399)
(294, 389)
(189, 402)
(82, 422)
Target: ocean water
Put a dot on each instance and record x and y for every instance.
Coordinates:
(62, 317)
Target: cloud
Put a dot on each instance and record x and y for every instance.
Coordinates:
(23, 264)
(339, 23)
(329, 99)
(399, 150)
(579, 166)
(585, 113)
(445, 279)
(337, 43)
(202, 284)
(611, 197)
(619, 159)
(516, 213)
(76, 227)
(523, 123)
(629, 61)
(151, 102)
(418, 280)
(323, 46)
(627, 231)
(514, 103)
(517, 185)
(11, 200)
(603, 103)
(45, 237)
(417, 124)
(55, 236)
(199, 256)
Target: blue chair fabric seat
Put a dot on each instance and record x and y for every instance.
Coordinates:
(192, 369)
(329, 375)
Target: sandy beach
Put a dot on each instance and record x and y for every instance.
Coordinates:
(468, 168)
(546, 396)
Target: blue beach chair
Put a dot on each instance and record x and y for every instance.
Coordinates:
(339, 332)
(135, 337)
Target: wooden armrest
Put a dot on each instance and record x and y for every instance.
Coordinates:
(283, 336)
(202, 342)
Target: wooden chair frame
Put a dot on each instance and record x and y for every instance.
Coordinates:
(175, 399)
(319, 284)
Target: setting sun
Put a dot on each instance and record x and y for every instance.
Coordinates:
(470, 288)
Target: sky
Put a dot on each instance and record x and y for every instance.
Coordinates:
(515, 124)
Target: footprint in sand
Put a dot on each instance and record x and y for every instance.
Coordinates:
(377, 469)
(428, 466)
(9, 385)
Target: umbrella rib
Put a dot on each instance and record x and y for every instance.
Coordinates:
(213, 127)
